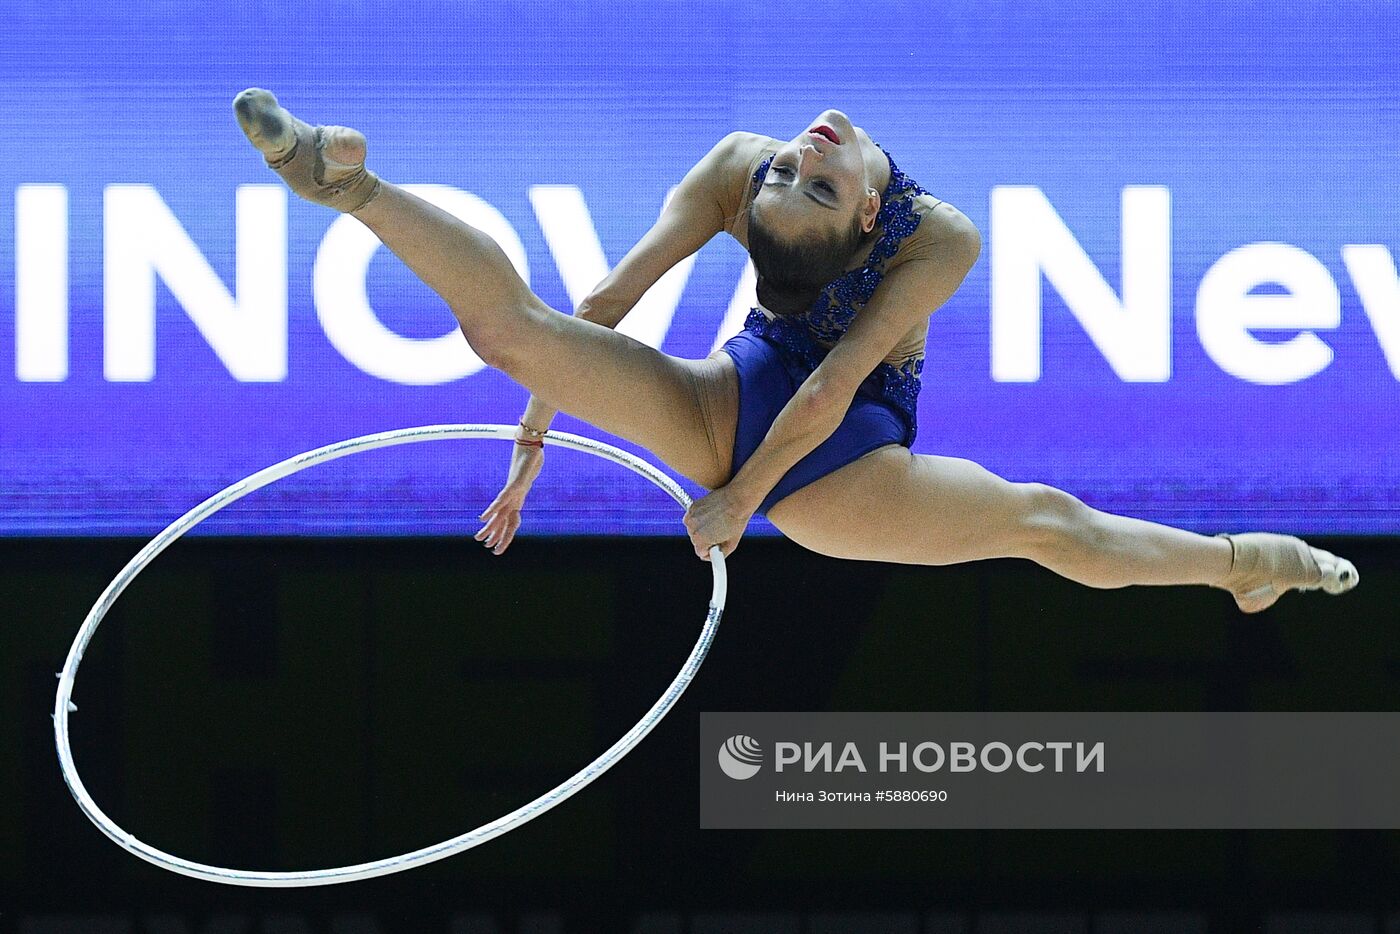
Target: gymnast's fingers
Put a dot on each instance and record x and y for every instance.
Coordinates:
(490, 534)
(492, 521)
(489, 514)
(507, 535)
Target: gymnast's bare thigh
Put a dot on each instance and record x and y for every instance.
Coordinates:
(897, 506)
(716, 384)
(812, 513)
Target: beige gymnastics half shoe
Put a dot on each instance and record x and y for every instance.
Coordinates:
(1264, 566)
(323, 164)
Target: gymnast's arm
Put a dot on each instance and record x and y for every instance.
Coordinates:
(912, 291)
(689, 220)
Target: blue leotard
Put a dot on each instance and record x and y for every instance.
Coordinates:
(775, 354)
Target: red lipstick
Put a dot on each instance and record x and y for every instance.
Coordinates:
(827, 132)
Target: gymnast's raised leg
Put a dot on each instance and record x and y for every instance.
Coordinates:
(674, 407)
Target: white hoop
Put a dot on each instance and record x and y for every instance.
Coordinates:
(63, 704)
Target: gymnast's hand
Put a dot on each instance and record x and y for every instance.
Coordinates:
(718, 518)
(503, 515)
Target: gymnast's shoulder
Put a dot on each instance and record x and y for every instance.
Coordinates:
(941, 227)
(743, 146)
(727, 170)
(736, 157)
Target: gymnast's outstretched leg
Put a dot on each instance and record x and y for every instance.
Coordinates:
(678, 409)
(897, 506)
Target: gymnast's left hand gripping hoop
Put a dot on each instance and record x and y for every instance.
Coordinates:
(63, 704)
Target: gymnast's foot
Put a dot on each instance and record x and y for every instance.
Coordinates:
(324, 164)
(1264, 566)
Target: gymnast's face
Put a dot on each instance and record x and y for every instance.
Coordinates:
(818, 184)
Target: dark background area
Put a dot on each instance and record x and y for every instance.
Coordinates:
(281, 704)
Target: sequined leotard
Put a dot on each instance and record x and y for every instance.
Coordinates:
(773, 355)
(811, 334)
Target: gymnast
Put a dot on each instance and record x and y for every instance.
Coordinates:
(807, 415)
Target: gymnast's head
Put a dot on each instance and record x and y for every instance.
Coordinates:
(810, 214)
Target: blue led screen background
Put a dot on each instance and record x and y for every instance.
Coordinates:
(1186, 308)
